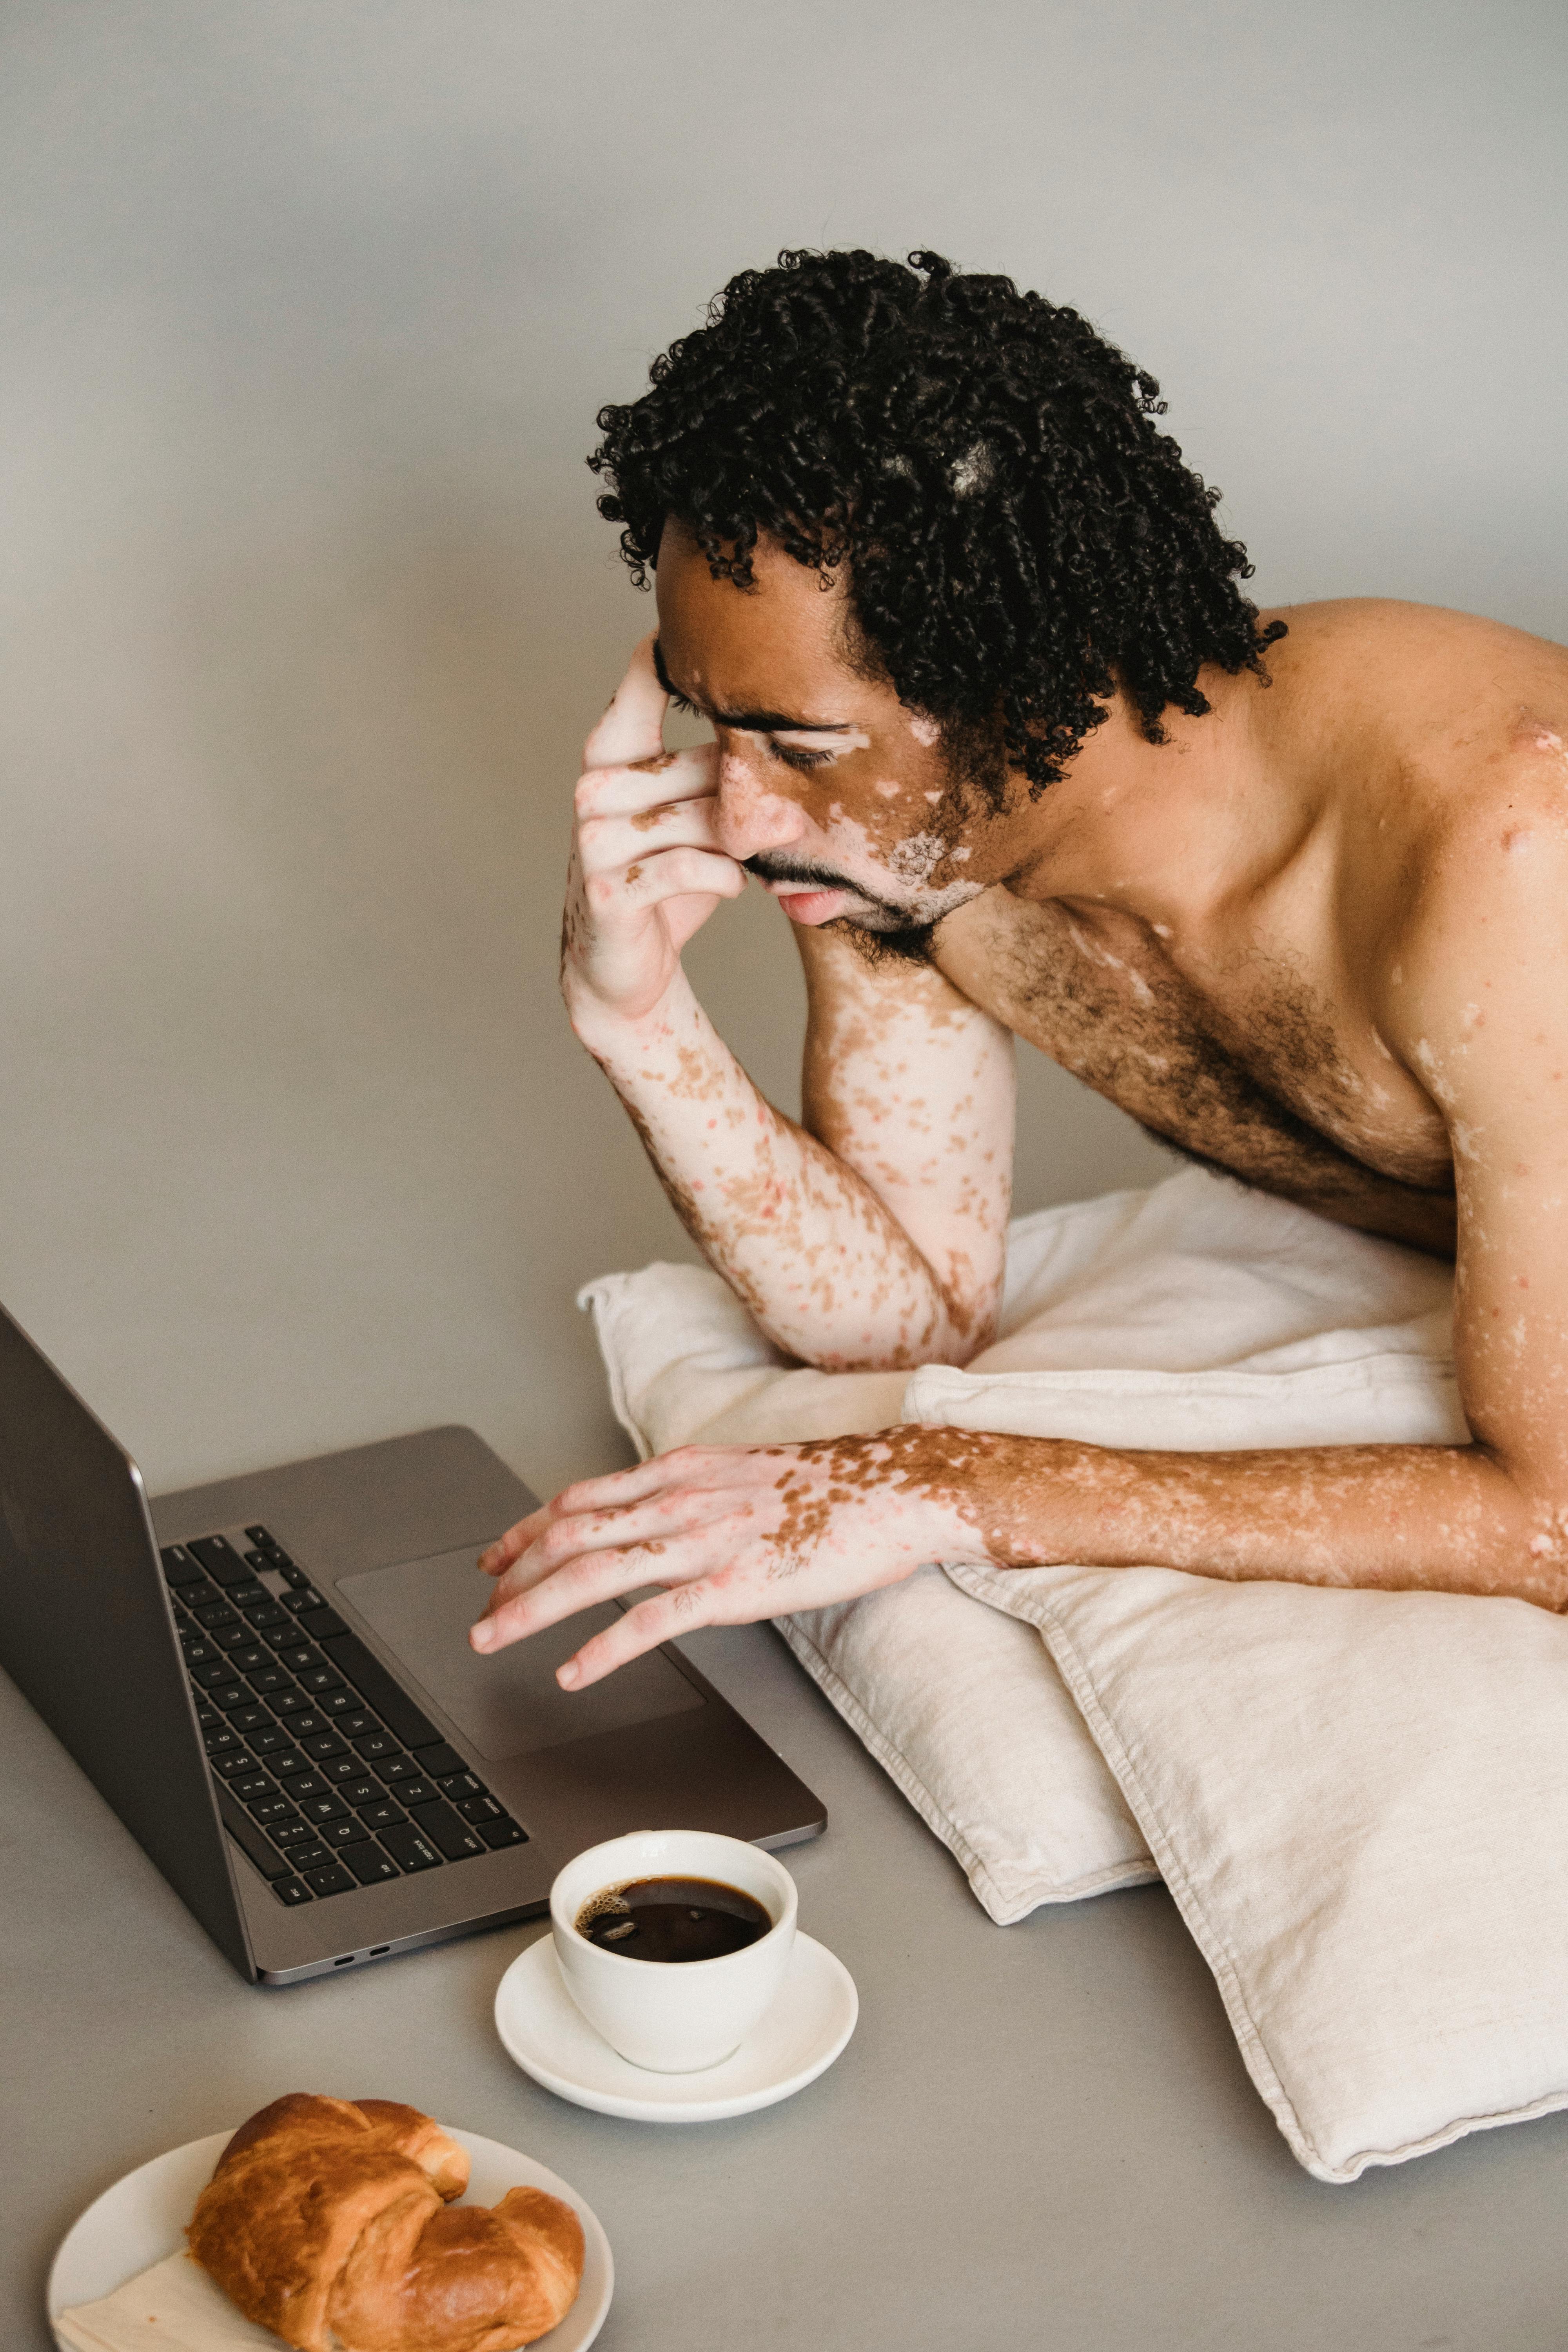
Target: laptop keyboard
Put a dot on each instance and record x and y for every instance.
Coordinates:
(328, 1775)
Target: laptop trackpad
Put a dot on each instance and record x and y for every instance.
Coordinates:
(509, 1704)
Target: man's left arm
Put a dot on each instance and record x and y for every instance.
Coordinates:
(734, 1534)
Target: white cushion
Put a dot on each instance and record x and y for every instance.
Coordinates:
(1359, 1803)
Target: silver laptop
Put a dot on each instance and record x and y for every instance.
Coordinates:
(270, 1682)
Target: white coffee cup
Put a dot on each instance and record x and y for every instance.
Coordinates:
(673, 2017)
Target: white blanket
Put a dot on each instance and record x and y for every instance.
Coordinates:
(1357, 1799)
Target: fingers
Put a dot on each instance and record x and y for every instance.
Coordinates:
(627, 790)
(659, 1619)
(592, 1577)
(633, 726)
(609, 1492)
(672, 873)
(606, 844)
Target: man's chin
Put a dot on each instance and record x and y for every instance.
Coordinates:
(906, 943)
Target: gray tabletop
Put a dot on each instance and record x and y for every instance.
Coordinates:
(1040, 2135)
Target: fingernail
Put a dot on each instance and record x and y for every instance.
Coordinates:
(482, 1635)
(569, 1674)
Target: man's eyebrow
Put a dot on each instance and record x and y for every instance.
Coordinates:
(749, 722)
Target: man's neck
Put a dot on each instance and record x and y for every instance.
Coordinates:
(1166, 832)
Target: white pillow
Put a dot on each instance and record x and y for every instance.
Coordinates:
(1359, 1801)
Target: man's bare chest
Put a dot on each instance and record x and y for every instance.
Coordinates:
(1256, 1074)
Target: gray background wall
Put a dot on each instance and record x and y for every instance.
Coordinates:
(308, 309)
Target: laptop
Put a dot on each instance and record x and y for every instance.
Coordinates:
(269, 1681)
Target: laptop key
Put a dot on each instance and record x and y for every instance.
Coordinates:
(383, 1815)
(230, 1637)
(480, 1808)
(252, 1843)
(408, 1849)
(213, 1612)
(197, 1650)
(334, 1703)
(319, 1678)
(362, 1791)
(270, 1811)
(208, 1717)
(369, 1865)
(339, 1768)
(314, 1856)
(291, 1891)
(258, 1534)
(178, 1565)
(440, 1760)
(348, 1831)
(251, 1788)
(226, 1767)
(307, 1722)
(305, 1784)
(287, 1701)
(302, 1597)
(292, 1832)
(334, 1880)
(298, 1656)
(462, 1784)
(268, 1618)
(368, 1675)
(355, 1725)
(211, 1671)
(250, 1658)
(318, 1623)
(378, 1745)
(330, 1808)
(265, 1738)
(249, 1718)
(266, 1679)
(219, 1557)
(442, 1827)
(215, 1742)
(502, 1833)
(229, 1696)
(398, 1768)
(322, 1744)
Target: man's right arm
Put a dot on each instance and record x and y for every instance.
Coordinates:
(874, 1234)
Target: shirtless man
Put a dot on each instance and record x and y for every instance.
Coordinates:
(999, 731)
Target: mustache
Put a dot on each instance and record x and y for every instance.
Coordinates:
(770, 868)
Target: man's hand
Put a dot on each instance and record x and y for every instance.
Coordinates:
(645, 872)
(732, 1533)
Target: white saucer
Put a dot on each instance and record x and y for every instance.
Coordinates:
(802, 2034)
(144, 2216)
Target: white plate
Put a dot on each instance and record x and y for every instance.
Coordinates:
(802, 2034)
(143, 2218)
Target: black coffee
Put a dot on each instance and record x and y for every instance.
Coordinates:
(673, 1919)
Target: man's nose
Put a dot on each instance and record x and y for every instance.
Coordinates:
(751, 816)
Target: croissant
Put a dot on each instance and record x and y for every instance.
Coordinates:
(326, 2221)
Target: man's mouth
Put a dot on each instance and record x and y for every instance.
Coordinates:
(808, 893)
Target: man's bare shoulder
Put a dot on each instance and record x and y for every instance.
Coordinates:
(1418, 677)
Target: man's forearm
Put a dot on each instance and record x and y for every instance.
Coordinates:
(1392, 1518)
(826, 1269)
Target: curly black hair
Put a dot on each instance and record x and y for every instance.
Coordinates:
(1021, 539)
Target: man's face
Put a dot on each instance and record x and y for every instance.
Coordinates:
(831, 792)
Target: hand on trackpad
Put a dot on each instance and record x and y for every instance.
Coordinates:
(509, 1704)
